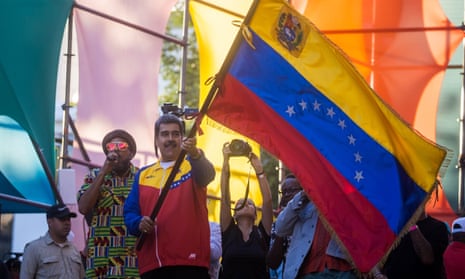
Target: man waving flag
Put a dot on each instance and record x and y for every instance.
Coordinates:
(286, 86)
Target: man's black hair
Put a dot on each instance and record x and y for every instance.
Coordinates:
(168, 118)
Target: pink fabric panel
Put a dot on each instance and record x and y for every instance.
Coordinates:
(118, 78)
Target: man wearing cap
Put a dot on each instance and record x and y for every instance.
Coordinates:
(454, 256)
(110, 249)
(52, 255)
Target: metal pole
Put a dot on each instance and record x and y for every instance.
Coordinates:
(185, 49)
(461, 163)
(66, 106)
(128, 24)
(281, 176)
(23, 201)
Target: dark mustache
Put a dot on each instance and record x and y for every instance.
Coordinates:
(112, 156)
(171, 143)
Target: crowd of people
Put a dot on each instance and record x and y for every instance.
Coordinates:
(127, 238)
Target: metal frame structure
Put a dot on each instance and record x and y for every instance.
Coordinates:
(68, 122)
(67, 119)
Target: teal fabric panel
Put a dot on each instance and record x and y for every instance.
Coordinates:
(22, 176)
(31, 32)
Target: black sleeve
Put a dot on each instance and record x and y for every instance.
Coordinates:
(202, 170)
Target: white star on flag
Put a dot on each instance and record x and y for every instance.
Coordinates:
(358, 175)
(358, 157)
(351, 139)
(341, 123)
(330, 112)
(303, 105)
(316, 105)
(290, 111)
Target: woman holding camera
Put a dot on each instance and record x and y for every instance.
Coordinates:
(245, 244)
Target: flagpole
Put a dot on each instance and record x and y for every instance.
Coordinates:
(177, 164)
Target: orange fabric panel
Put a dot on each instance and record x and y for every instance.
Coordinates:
(401, 66)
(439, 207)
(404, 63)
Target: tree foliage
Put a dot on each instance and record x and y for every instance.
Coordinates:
(170, 71)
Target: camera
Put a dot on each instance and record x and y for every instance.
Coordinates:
(187, 112)
(239, 148)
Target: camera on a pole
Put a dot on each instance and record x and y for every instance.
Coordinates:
(186, 112)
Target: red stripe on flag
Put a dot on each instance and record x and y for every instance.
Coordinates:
(241, 110)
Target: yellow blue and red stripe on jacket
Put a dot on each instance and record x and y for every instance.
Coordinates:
(182, 234)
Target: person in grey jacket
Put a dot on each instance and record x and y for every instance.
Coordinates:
(313, 252)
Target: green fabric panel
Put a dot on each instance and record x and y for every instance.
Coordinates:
(31, 32)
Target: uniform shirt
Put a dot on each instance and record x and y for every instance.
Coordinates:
(43, 258)
(110, 248)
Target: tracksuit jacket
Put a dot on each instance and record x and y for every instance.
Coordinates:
(182, 234)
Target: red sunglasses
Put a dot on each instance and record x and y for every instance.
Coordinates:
(120, 145)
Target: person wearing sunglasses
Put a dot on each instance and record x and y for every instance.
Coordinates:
(278, 245)
(110, 248)
(177, 243)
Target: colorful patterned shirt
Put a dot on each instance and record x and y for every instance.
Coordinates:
(111, 250)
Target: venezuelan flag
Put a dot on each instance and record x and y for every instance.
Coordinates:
(290, 89)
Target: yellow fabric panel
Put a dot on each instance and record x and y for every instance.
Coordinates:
(215, 33)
